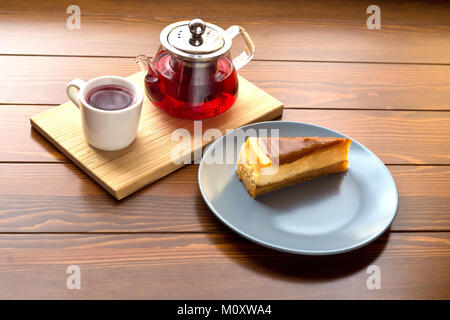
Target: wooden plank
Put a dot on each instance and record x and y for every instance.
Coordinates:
(306, 85)
(397, 137)
(353, 85)
(405, 12)
(66, 200)
(211, 266)
(279, 39)
(19, 142)
(424, 197)
(69, 200)
(151, 156)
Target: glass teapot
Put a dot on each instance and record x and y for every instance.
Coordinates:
(192, 75)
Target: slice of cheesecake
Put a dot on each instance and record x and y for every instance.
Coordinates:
(268, 164)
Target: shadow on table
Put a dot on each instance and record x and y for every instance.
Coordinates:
(302, 268)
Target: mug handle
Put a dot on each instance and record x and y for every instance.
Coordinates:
(247, 55)
(73, 89)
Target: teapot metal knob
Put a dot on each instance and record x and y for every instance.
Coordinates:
(197, 27)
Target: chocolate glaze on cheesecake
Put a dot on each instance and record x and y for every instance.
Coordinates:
(291, 149)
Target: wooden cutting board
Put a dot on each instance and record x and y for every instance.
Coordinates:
(151, 156)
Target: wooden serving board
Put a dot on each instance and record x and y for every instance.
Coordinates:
(151, 156)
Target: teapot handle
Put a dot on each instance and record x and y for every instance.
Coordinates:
(247, 55)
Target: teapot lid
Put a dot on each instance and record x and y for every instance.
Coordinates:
(195, 39)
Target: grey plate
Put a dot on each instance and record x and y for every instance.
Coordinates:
(328, 215)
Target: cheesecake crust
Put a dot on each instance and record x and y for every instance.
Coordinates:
(255, 190)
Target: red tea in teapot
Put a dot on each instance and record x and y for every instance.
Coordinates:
(192, 90)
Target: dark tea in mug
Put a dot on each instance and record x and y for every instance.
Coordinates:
(110, 97)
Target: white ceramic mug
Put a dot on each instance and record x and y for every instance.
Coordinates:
(107, 129)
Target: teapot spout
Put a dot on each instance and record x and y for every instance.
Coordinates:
(147, 66)
(143, 61)
(151, 78)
